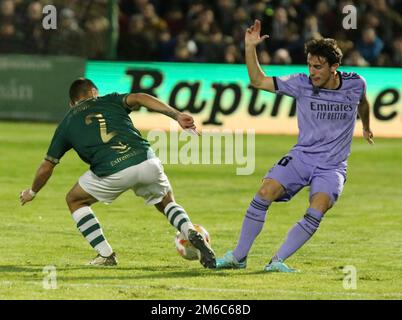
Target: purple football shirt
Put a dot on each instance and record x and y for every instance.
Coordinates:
(326, 117)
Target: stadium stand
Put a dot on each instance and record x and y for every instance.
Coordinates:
(202, 30)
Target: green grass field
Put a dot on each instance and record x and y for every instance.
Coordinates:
(362, 230)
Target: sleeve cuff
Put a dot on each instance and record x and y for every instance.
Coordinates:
(275, 83)
(125, 104)
(52, 160)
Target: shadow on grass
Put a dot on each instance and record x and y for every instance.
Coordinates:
(113, 273)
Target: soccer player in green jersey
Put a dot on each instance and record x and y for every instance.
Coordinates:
(100, 130)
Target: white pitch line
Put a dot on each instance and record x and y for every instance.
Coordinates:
(127, 286)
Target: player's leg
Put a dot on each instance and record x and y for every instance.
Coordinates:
(326, 186)
(280, 184)
(178, 217)
(320, 202)
(87, 191)
(153, 185)
(300, 233)
(175, 213)
(254, 220)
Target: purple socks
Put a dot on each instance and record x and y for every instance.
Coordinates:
(299, 234)
(254, 221)
(252, 226)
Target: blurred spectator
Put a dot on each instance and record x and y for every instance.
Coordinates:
(397, 56)
(194, 11)
(7, 11)
(213, 48)
(264, 57)
(354, 58)
(184, 40)
(131, 7)
(153, 23)
(35, 37)
(260, 10)
(282, 56)
(370, 45)
(371, 20)
(344, 43)
(232, 54)
(310, 28)
(225, 10)
(166, 46)
(10, 41)
(68, 38)
(203, 28)
(293, 42)
(182, 53)
(95, 37)
(326, 18)
(297, 11)
(137, 43)
(383, 60)
(175, 20)
(279, 24)
(388, 18)
(240, 17)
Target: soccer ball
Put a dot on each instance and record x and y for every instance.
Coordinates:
(185, 248)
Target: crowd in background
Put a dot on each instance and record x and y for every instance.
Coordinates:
(204, 30)
(82, 28)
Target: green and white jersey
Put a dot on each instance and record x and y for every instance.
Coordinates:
(103, 135)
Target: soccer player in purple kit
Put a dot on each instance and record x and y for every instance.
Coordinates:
(328, 102)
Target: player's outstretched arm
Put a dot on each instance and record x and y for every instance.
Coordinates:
(258, 78)
(135, 100)
(43, 174)
(364, 113)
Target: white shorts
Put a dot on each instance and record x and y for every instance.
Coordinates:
(146, 179)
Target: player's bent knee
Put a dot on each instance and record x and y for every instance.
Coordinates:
(72, 197)
(165, 201)
(69, 198)
(72, 202)
(168, 197)
(321, 208)
(321, 202)
(77, 198)
(271, 190)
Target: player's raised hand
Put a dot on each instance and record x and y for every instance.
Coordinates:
(26, 196)
(252, 37)
(368, 135)
(187, 122)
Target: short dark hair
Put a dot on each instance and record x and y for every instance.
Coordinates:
(80, 87)
(326, 48)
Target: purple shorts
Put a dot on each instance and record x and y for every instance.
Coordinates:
(294, 174)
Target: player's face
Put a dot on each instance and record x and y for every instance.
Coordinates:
(319, 69)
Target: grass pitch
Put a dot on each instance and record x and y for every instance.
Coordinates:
(363, 230)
